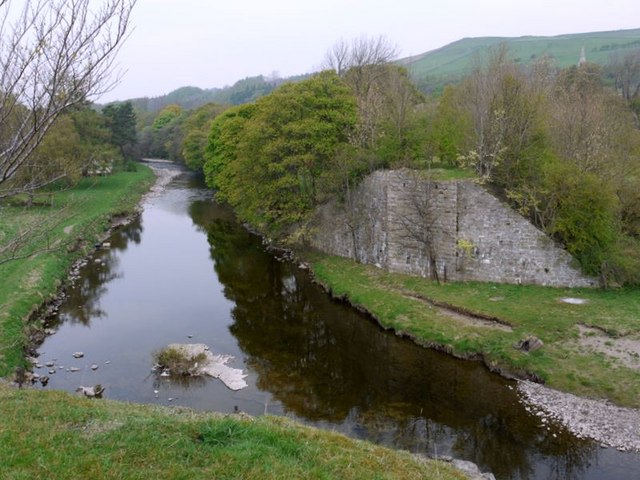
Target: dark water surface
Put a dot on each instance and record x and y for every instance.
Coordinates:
(187, 268)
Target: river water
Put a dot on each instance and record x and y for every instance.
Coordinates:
(187, 272)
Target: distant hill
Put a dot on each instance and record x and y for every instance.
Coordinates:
(430, 70)
(451, 62)
(243, 91)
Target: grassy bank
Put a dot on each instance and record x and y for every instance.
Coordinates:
(600, 362)
(56, 234)
(56, 436)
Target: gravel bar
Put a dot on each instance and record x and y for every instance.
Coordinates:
(609, 425)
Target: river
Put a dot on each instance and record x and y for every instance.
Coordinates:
(186, 272)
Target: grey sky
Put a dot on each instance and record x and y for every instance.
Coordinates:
(210, 43)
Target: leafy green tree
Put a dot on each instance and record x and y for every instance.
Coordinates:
(270, 169)
(95, 148)
(121, 121)
(449, 131)
(221, 159)
(197, 126)
(585, 214)
(164, 136)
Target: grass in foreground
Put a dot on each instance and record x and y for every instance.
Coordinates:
(67, 229)
(564, 363)
(54, 435)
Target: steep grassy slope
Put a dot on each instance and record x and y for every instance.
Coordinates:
(455, 59)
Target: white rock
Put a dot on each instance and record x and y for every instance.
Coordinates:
(213, 365)
(91, 392)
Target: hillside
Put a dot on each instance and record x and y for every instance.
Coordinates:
(450, 62)
(243, 91)
(430, 69)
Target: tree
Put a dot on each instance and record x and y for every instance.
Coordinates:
(270, 163)
(363, 63)
(626, 74)
(419, 221)
(53, 55)
(198, 126)
(121, 121)
(448, 133)
(55, 157)
(221, 152)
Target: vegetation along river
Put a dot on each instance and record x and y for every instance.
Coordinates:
(187, 272)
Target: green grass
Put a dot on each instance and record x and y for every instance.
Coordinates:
(562, 363)
(456, 59)
(56, 436)
(69, 227)
(444, 174)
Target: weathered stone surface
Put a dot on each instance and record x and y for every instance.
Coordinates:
(92, 392)
(471, 470)
(396, 220)
(529, 344)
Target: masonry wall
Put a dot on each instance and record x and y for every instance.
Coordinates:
(454, 230)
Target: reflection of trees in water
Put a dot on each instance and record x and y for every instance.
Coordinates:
(186, 382)
(83, 299)
(325, 362)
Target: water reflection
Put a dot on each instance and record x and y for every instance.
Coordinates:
(95, 276)
(327, 364)
(194, 270)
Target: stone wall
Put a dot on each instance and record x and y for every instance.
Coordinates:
(454, 230)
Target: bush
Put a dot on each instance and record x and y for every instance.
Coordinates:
(178, 361)
(623, 265)
(584, 217)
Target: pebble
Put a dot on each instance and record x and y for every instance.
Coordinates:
(607, 424)
(107, 362)
(74, 369)
(52, 371)
(94, 367)
(49, 364)
(78, 355)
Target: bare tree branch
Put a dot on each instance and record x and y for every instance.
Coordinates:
(54, 54)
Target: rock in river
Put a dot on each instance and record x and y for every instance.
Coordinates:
(204, 362)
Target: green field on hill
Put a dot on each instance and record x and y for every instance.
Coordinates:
(456, 59)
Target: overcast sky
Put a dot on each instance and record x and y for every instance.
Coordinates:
(211, 43)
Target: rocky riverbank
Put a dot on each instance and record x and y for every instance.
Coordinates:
(38, 330)
(601, 421)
